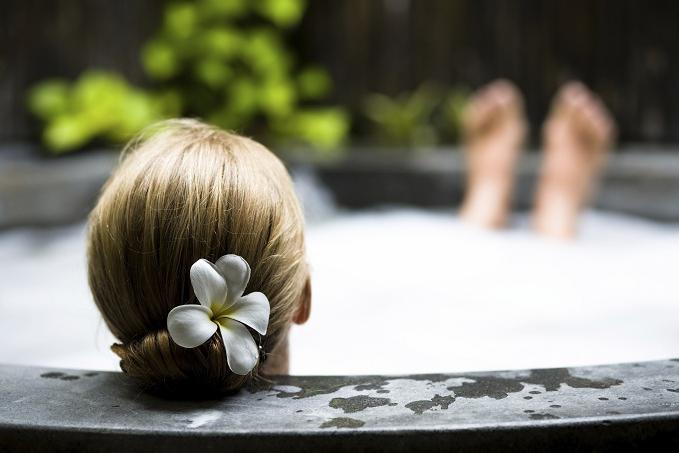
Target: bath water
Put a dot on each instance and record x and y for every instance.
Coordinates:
(421, 292)
(401, 291)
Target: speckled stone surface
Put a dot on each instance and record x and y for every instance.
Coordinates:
(605, 407)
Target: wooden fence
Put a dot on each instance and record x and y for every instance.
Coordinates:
(627, 50)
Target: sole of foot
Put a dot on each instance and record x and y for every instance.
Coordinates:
(494, 129)
(577, 136)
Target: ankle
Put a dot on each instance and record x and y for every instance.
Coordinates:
(487, 203)
(556, 213)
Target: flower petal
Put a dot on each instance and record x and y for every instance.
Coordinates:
(241, 350)
(208, 285)
(252, 310)
(190, 325)
(236, 272)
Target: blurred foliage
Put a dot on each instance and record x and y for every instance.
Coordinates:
(419, 118)
(225, 61)
(98, 104)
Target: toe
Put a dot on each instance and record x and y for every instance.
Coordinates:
(480, 110)
(604, 120)
(474, 112)
(505, 86)
(569, 98)
(597, 121)
(507, 94)
(572, 90)
(496, 104)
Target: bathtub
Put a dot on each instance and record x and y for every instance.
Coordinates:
(411, 309)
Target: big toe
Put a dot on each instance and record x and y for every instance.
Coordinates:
(597, 123)
(492, 104)
(570, 99)
(591, 121)
(505, 95)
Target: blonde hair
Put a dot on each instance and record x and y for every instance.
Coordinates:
(183, 191)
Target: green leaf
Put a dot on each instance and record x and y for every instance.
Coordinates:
(160, 60)
(226, 119)
(98, 96)
(313, 83)
(181, 20)
(136, 112)
(324, 129)
(242, 97)
(222, 9)
(277, 98)
(168, 102)
(67, 132)
(453, 108)
(406, 119)
(222, 42)
(212, 72)
(49, 98)
(284, 13)
(265, 54)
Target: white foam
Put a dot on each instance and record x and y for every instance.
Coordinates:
(401, 292)
(412, 291)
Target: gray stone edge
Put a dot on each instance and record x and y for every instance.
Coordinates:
(40, 191)
(507, 426)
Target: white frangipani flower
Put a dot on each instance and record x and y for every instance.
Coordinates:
(219, 288)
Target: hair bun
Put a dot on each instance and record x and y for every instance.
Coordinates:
(185, 190)
(161, 366)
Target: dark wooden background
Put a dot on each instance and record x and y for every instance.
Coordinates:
(627, 50)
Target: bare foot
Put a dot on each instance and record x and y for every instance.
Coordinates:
(577, 136)
(494, 130)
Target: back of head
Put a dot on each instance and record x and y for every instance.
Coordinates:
(184, 191)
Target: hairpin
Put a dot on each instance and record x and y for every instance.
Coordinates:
(219, 288)
(262, 353)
